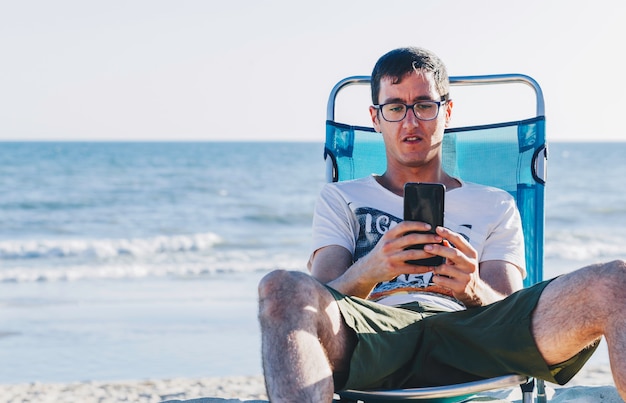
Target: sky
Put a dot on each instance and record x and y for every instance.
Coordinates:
(254, 70)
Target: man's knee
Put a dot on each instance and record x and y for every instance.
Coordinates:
(613, 277)
(602, 285)
(597, 287)
(619, 265)
(278, 283)
(281, 291)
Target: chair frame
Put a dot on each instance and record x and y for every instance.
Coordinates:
(453, 393)
(448, 393)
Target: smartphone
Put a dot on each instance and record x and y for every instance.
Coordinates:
(425, 202)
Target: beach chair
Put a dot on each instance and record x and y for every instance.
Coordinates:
(510, 155)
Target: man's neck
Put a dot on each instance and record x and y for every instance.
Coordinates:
(395, 183)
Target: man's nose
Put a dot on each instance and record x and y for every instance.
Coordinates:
(410, 119)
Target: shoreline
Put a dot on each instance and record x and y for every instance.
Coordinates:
(239, 388)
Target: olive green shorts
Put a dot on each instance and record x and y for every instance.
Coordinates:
(418, 346)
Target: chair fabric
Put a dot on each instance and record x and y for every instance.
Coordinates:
(503, 155)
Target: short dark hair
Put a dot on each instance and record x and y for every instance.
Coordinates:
(400, 62)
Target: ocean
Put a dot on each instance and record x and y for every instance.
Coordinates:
(140, 260)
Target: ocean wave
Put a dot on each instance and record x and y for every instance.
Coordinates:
(584, 246)
(225, 263)
(106, 248)
(589, 251)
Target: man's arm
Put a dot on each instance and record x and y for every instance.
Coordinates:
(330, 265)
(470, 283)
(504, 278)
(329, 262)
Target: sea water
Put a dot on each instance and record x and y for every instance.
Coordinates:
(140, 260)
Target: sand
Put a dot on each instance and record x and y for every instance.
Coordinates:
(594, 384)
(148, 391)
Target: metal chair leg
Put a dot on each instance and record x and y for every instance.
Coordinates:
(528, 390)
(541, 391)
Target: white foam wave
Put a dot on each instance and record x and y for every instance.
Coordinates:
(188, 265)
(584, 246)
(106, 248)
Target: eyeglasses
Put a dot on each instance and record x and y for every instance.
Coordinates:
(423, 110)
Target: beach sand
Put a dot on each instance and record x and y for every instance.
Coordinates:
(594, 384)
(242, 387)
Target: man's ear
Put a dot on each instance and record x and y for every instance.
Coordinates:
(375, 121)
(449, 106)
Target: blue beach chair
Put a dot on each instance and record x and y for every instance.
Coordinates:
(509, 155)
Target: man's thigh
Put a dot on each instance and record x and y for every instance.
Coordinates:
(399, 348)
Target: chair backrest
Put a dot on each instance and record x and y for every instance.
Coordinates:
(508, 155)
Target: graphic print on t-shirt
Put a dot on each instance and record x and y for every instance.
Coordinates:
(373, 224)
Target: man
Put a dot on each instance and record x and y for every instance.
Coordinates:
(361, 321)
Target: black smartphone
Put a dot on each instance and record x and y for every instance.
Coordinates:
(425, 202)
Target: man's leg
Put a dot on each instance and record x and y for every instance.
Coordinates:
(304, 338)
(576, 309)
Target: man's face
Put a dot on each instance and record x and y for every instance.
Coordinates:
(411, 142)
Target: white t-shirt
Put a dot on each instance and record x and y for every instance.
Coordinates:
(355, 215)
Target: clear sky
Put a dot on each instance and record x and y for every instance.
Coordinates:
(262, 70)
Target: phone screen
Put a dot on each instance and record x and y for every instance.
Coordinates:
(425, 202)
